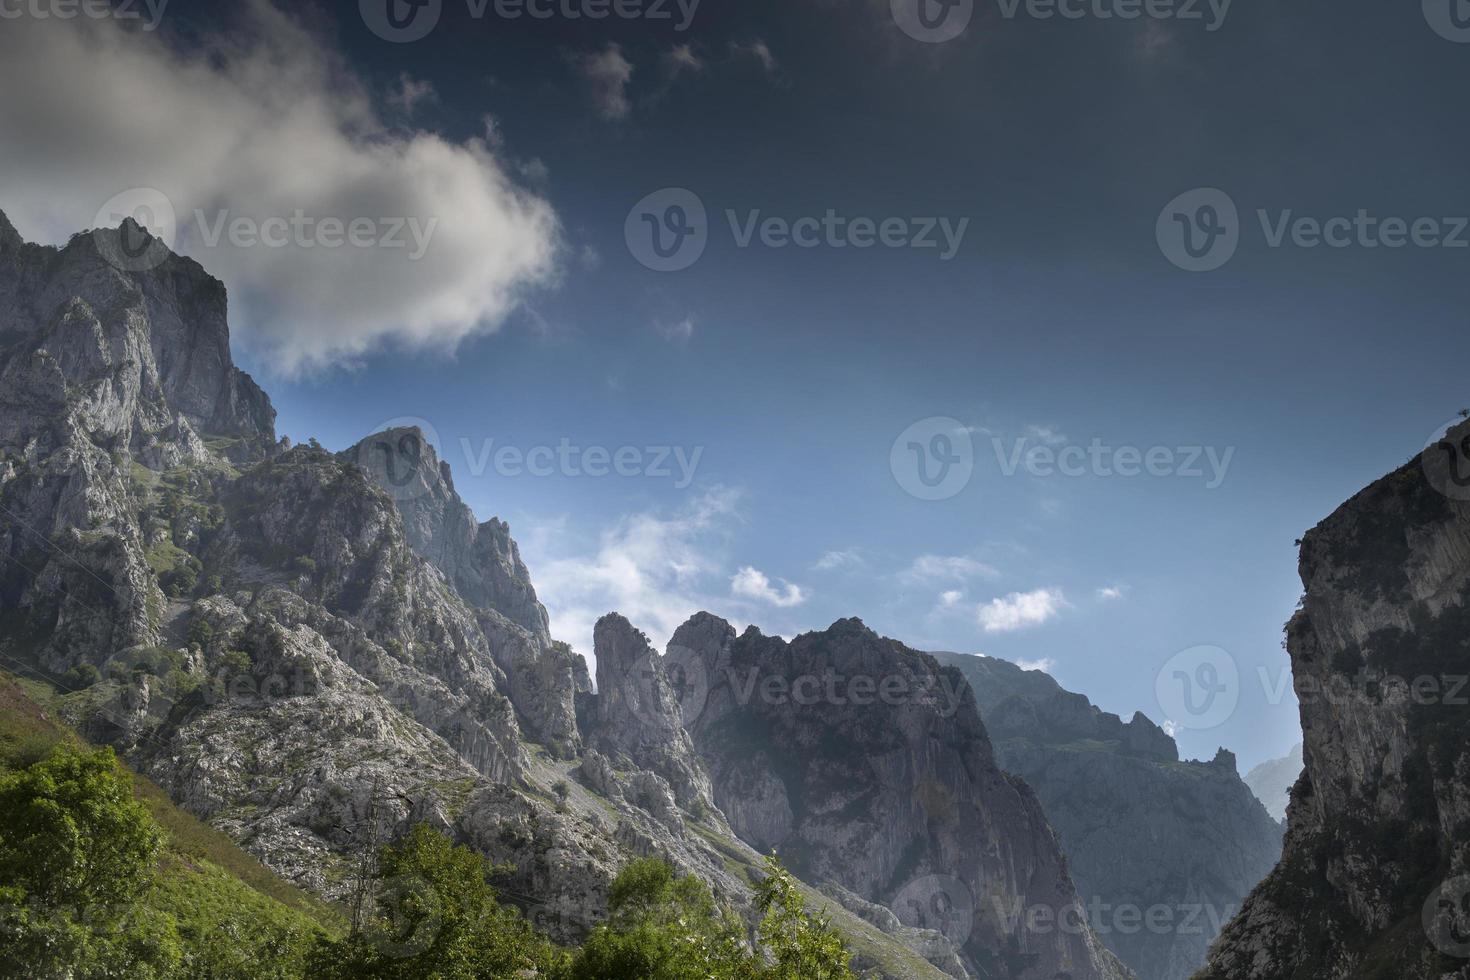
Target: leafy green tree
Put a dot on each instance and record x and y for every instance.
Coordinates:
(662, 927)
(76, 853)
(438, 919)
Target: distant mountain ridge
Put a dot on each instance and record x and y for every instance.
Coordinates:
(1141, 829)
(1272, 780)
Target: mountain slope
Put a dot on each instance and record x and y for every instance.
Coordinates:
(1376, 866)
(1272, 780)
(1144, 833)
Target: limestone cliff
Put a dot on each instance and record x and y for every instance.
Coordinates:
(865, 764)
(1376, 871)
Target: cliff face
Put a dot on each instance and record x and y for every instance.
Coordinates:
(1144, 834)
(1373, 881)
(1272, 780)
(865, 764)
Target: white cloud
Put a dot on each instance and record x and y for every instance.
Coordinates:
(651, 567)
(608, 73)
(758, 50)
(945, 568)
(1020, 610)
(1110, 593)
(836, 560)
(952, 598)
(1170, 728)
(1045, 664)
(751, 583)
(266, 122)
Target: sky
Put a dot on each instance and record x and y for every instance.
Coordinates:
(1037, 336)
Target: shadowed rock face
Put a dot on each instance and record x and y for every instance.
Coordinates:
(1141, 830)
(1373, 879)
(865, 764)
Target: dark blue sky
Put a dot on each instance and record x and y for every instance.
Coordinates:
(1060, 320)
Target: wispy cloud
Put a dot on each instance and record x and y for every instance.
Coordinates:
(409, 93)
(1111, 593)
(927, 569)
(846, 558)
(608, 73)
(657, 568)
(675, 331)
(1020, 610)
(758, 50)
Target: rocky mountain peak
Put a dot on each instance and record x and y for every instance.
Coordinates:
(638, 712)
(10, 239)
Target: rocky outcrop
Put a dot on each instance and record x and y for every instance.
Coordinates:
(1376, 869)
(865, 764)
(638, 714)
(484, 566)
(1163, 852)
(1272, 780)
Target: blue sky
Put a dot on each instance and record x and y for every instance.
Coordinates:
(788, 373)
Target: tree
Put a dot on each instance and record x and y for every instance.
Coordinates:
(438, 917)
(802, 947)
(662, 927)
(76, 853)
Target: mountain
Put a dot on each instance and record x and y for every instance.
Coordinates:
(313, 651)
(1272, 780)
(1376, 870)
(865, 765)
(1144, 833)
